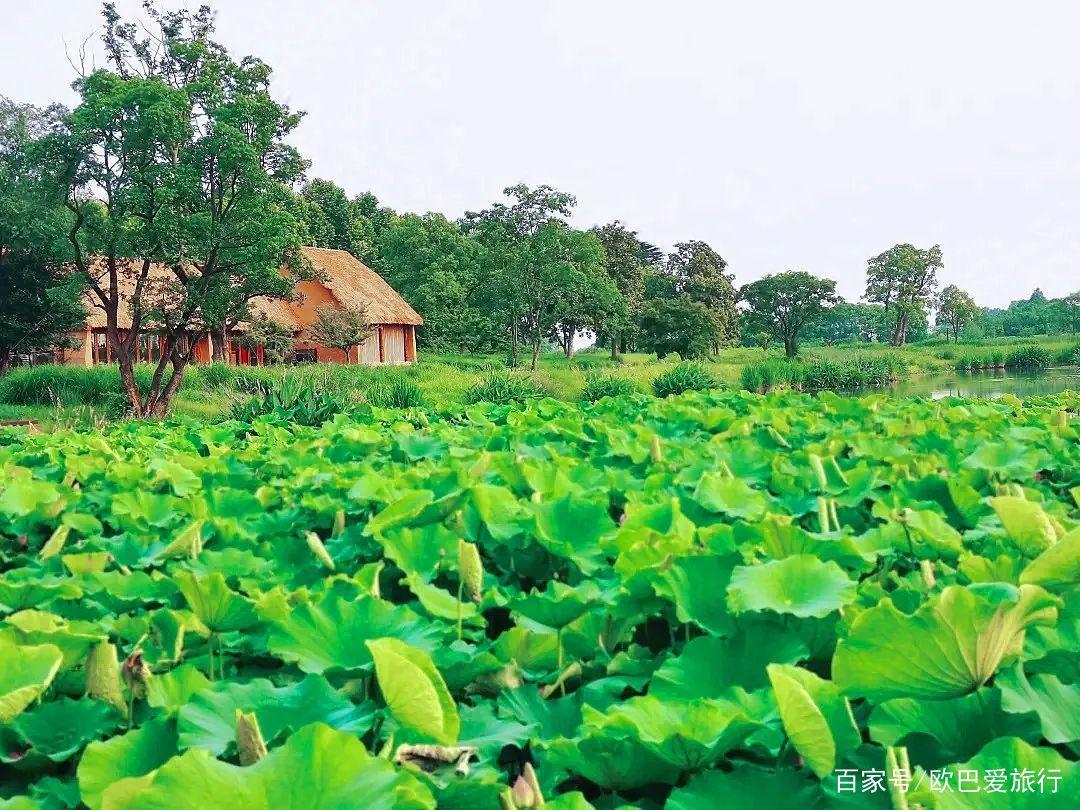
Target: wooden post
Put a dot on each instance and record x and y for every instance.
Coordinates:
(382, 345)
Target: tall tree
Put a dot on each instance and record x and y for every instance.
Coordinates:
(440, 271)
(337, 222)
(38, 306)
(677, 325)
(955, 310)
(625, 261)
(175, 156)
(520, 238)
(903, 280)
(784, 304)
(698, 271)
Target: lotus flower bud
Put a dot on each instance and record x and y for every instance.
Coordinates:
(319, 550)
(55, 542)
(249, 739)
(927, 569)
(471, 570)
(526, 790)
(655, 450)
(339, 522)
(103, 676)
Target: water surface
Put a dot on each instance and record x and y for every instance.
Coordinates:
(988, 384)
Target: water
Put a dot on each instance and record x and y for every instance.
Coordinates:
(988, 384)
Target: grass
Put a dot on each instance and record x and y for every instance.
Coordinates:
(59, 394)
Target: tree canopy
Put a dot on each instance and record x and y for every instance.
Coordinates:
(784, 304)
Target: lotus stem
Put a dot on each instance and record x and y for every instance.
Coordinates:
(823, 514)
(460, 611)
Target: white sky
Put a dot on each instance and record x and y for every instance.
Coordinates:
(786, 134)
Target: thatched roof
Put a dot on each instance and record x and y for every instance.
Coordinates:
(355, 285)
(351, 282)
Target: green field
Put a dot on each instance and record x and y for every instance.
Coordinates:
(716, 599)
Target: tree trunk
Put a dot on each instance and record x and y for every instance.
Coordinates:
(514, 344)
(535, 354)
(791, 348)
(126, 364)
(217, 341)
(614, 347)
(5, 360)
(568, 342)
(161, 404)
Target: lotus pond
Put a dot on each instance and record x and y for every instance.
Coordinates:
(713, 600)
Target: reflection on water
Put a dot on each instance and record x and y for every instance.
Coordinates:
(983, 384)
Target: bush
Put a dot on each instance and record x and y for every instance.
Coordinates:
(400, 393)
(1069, 356)
(684, 377)
(291, 399)
(822, 375)
(1029, 357)
(606, 385)
(502, 387)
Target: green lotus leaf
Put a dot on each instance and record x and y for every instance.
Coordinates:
(74, 638)
(216, 606)
(1057, 704)
(557, 606)
(89, 562)
(330, 634)
(400, 512)
(730, 496)
(480, 727)
(30, 594)
(170, 690)
(958, 728)
(133, 754)
(317, 768)
(687, 735)
(1008, 756)
(708, 667)
(494, 508)
(208, 720)
(1026, 523)
(1058, 567)
(546, 718)
(441, 604)
(816, 717)
(962, 638)
(747, 788)
(697, 586)
(574, 528)
(801, 585)
(613, 763)
(414, 691)
(57, 729)
(25, 673)
(419, 551)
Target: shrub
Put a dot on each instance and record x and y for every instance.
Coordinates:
(1029, 357)
(1069, 356)
(401, 393)
(503, 386)
(606, 385)
(291, 399)
(689, 376)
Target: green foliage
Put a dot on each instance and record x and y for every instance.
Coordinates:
(599, 386)
(400, 393)
(903, 280)
(290, 399)
(783, 305)
(1029, 357)
(860, 371)
(502, 387)
(679, 326)
(684, 377)
(672, 598)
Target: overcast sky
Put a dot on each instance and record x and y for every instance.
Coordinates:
(788, 135)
